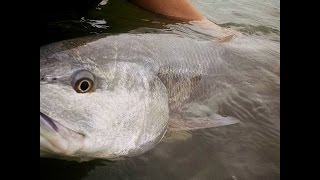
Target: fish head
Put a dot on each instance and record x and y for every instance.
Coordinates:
(94, 110)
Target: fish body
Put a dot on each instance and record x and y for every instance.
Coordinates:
(115, 96)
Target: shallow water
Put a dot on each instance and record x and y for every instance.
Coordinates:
(248, 150)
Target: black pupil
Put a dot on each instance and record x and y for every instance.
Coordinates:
(84, 86)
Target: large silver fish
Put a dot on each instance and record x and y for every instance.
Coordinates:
(115, 96)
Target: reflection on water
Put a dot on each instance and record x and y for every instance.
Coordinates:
(248, 150)
(248, 16)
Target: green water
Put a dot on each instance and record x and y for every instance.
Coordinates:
(247, 151)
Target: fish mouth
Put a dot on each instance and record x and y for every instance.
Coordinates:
(58, 140)
(48, 121)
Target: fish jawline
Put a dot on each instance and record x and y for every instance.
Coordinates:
(56, 139)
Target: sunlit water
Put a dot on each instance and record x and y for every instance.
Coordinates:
(245, 151)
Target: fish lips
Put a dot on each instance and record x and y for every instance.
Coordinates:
(47, 121)
(55, 139)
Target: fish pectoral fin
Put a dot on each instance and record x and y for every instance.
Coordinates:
(177, 123)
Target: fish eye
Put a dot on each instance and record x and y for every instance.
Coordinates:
(83, 81)
(83, 85)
